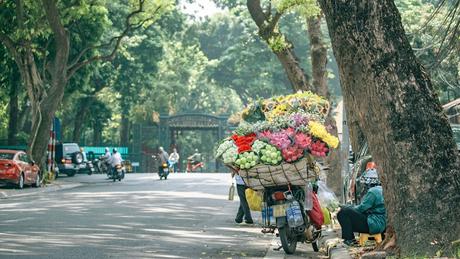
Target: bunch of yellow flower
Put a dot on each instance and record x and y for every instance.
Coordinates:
(279, 110)
(318, 130)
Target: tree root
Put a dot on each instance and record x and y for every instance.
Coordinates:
(389, 243)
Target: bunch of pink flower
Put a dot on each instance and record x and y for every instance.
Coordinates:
(280, 139)
(292, 153)
(303, 140)
(293, 143)
(318, 149)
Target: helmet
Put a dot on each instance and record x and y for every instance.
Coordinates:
(370, 165)
(114, 150)
(196, 150)
(106, 149)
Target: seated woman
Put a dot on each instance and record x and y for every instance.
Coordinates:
(367, 217)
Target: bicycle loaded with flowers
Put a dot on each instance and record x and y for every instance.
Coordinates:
(275, 150)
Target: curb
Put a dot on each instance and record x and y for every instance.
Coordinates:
(332, 245)
(45, 189)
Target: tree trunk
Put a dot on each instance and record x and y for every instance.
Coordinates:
(13, 121)
(318, 54)
(42, 123)
(124, 131)
(80, 117)
(97, 133)
(24, 116)
(399, 114)
(294, 72)
(287, 57)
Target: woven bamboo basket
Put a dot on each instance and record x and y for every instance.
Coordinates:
(298, 173)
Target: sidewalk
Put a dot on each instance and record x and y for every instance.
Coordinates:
(332, 245)
(7, 192)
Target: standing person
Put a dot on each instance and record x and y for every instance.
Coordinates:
(243, 211)
(83, 153)
(367, 217)
(174, 160)
(163, 156)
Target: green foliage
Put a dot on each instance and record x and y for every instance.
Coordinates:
(306, 8)
(241, 61)
(278, 43)
(423, 30)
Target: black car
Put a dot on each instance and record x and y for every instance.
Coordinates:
(69, 159)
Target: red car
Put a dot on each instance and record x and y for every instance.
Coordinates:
(16, 168)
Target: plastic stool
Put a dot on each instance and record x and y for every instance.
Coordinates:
(364, 236)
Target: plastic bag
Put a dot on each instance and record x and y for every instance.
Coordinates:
(327, 197)
(316, 214)
(254, 199)
(231, 192)
(326, 216)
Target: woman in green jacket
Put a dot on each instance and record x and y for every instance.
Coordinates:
(367, 217)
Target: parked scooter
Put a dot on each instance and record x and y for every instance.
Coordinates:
(118, 173)
(283, 209)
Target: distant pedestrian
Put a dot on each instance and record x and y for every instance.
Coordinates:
(174, 160)
(243, 211)
(83, 153)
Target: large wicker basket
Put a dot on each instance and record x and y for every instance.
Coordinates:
(298, 173)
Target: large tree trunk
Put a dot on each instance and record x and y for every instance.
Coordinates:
(399, 114)
(287, 57)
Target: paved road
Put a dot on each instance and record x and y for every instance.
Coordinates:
(187, 216)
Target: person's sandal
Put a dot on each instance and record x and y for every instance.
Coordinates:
(351, 243)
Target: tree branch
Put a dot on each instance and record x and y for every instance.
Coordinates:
(274, 21)
(60, 36)
(9, 44)
(256, 12)
(76, 65)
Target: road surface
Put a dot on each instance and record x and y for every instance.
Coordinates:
(186, 216)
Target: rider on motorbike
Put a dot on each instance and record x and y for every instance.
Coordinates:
(107, 155)
(163, 156)
(115, 160)
(195, 158)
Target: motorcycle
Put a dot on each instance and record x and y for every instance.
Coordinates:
(88, 167)
(164, 172)
(118, 173)
(193, 166)
(101, 166)
(283, 209)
